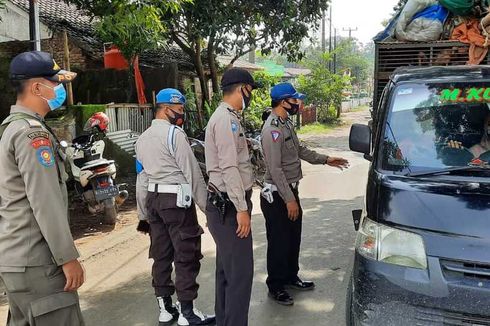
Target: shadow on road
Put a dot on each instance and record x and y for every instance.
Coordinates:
(328, 240)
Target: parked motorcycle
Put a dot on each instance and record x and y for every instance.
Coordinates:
(93, 174)
(255, 150)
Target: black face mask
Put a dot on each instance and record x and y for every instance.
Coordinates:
(246, 100)
(177, 119)
(294, 109)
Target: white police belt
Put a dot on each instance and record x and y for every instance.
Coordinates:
(183, 192)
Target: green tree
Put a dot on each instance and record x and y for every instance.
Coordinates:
(240, 26)
(323, 89)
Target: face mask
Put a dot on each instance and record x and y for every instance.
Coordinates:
(293, 110)
(245, 100)
(177, 119)
(59, 97)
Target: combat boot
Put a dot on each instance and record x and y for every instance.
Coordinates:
(190, 316)
(168, 312)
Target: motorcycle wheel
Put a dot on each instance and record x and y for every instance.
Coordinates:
(110, 211)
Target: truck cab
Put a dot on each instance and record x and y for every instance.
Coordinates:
(422, 252)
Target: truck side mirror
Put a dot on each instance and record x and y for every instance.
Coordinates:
(360, 139)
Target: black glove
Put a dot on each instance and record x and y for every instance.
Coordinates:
(143, 227)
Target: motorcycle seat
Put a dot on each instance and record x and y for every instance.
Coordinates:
(96, 163)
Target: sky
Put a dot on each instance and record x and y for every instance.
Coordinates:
(366, 15)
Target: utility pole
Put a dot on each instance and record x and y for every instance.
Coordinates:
(330, 40)
(350, 30)
(323, 32)
(335, 48)
(34, 32)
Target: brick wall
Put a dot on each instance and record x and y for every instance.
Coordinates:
(78, 59)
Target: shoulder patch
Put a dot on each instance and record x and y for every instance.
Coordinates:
(275, 135)
(45, 156)
(38, 134)
(40, 142)
(234, 127)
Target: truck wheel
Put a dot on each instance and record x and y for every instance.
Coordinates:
(110, 212)
(349, 303)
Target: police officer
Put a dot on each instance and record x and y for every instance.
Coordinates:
(38, 260)
(169, 184)
(279, 198)
(229, 206)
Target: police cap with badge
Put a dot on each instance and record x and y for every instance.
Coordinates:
(38, 64)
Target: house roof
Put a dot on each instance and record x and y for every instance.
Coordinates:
(226, 59)
(58, 15)
(295, 72)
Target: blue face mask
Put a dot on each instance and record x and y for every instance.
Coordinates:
(59, 97)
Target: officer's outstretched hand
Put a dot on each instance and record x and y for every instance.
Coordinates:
(75, 276)
(338, 162)
(243, 219)
(293, 210)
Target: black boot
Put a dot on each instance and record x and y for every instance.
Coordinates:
(300, 285)
(282, 297)
(168, 312)
(190, 316)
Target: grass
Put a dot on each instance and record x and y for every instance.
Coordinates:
(319, 128)
(360, 108)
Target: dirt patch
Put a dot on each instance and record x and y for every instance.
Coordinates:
(84, 225)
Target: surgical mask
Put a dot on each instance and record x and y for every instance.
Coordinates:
(177, 119)
(59, 97)
(294, 109)
(245, 100)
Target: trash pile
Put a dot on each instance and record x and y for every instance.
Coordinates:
(466, 21)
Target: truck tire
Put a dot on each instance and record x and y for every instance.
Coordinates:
(110, 212)
(349, 302)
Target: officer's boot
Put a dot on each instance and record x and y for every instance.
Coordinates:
(191, 316)
(168, 312)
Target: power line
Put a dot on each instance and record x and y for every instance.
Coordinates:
(350, 30)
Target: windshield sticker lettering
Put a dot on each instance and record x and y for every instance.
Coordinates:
(470, 95)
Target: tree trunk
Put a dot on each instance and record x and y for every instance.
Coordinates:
(212, 65)
(202, 82)
(131, 81)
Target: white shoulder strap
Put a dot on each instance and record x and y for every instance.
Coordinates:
(171, 140)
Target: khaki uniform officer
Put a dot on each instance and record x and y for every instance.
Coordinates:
(280, 201)
(169, 184)
(38, 259)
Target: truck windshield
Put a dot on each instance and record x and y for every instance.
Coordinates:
(434, 126)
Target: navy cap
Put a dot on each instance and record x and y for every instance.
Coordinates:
(35, 64)
(285, 90)
(170, 96)
(235, 76)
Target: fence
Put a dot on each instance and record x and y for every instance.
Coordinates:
(354, 103)
(308, 115)
(128, 116)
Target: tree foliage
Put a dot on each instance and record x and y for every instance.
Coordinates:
(323, 89)
(133, 29)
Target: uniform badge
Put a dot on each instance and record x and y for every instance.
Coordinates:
(234, 126)
(275, 135)
(45, 156)
(38, 134)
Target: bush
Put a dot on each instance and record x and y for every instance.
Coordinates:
(261, 100)
(323, 89)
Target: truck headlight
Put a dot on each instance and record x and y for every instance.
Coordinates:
(391, 245)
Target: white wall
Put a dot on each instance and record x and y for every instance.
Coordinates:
(15, 24)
